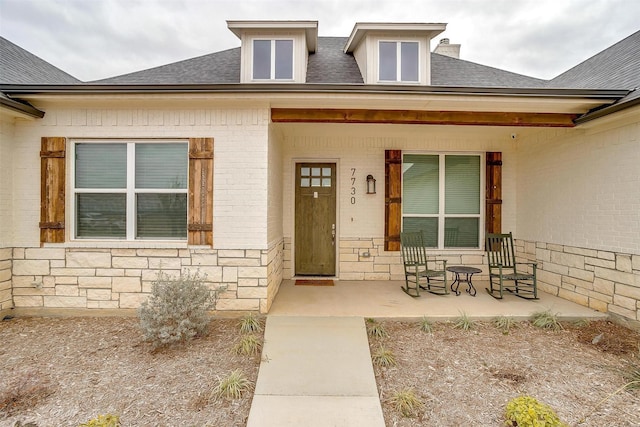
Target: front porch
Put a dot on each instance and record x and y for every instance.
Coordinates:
(385, 299)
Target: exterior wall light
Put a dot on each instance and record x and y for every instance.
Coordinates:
(371, 184)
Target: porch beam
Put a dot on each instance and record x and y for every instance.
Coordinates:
(470, 118)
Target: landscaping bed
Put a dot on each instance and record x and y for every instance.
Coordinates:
(65, 371)
(466, 377)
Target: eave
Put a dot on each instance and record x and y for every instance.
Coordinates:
(20, 107)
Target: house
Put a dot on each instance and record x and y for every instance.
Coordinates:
(299, 155)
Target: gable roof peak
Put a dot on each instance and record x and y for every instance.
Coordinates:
(361, 29)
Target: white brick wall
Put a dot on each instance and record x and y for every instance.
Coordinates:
(240, 160)
(6, 180)
(362, 147)
(6, 294)
(581, 187)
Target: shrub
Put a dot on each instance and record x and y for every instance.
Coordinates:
(103, 421)
(177, 309)
(526, 411)
(233, 386)
(376, 329)
(504, 323)
(249, 324)
(249, 345)
(464, 322)
(406, 402)
(384, 357)
(426, 325)
(546, 320)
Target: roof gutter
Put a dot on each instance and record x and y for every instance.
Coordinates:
(606, 110)
(95, 89)
(20, 107)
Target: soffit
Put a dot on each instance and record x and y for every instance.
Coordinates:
(361, 29)
(310, 29)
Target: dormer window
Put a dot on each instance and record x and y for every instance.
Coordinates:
(398, 61)
(272, 59)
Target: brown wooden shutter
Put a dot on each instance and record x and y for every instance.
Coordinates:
(392, 199)
(52, 189)
(493, 212)
(200, 222)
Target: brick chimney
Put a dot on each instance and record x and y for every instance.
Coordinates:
(447, 49)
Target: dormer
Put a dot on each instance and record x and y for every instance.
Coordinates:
(275, 51)
(393, 53)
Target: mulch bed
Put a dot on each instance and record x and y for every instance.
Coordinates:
(466, 378)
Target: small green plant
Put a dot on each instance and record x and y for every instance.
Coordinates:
(426, 325)
(375, 329)
(464, 322)
(504, 323)
(249, 345)
(546, 320)
(526, 411)
(632, 377)
(177, 309)
(249, 324)
(107, 420)
(233, 386)
(406, 402)
(384, 357)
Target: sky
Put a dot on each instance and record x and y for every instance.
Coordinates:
(95, 39)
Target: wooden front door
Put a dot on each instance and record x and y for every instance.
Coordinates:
(315, 217)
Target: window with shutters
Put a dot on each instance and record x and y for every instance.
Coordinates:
(442, 196)
(130, 190)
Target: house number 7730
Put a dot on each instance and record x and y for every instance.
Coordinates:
(353, 186)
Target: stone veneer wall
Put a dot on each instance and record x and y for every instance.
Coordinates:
(602, 280)
(59, 278)
(6, 296)
(380, 264)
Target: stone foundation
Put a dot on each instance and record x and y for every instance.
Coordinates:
(73, 278)
(604, 281)
(6, 295)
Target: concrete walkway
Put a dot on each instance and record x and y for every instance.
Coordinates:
(315, 372)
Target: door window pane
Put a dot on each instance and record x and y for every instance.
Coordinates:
(161, 216)
(284, 59)
(388, 62)
(420, 189)
(101, 165)
(304, 182)
(409, 62)
(305, 171)
(262, 59)
(101, 215)
(326, 182)
(326, 171)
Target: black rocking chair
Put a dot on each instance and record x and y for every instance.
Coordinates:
(419, 271)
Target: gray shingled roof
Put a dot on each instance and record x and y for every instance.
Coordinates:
(18, 66)
(214, 68)
(329, 64)
(617, 67)
(447, 71)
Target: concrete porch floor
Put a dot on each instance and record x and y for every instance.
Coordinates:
(385, 299)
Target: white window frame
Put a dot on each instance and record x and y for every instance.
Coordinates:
(130, 189)
(441, 216)
(398, 44)
(272, 72)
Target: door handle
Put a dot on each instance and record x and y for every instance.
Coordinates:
(333, 234)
